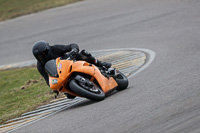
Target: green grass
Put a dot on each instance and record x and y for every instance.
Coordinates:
(21, 90)
(14, 8)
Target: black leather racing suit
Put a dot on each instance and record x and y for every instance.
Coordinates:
(59, 51)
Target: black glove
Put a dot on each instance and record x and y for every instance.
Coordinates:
(74, 51)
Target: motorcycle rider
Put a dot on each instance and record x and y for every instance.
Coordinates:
(43, 52)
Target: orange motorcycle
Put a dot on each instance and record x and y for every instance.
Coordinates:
(83, 79)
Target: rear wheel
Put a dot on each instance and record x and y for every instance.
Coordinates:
(121, 80)
(90, 91)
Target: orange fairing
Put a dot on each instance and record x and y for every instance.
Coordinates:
(65, 69)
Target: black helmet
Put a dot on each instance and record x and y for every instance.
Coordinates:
(40, 50)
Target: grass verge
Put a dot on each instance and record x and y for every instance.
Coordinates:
(21, 90)
(14, 8)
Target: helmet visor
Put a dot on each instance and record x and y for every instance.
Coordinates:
(42, 55)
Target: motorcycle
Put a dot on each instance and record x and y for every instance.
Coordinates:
(83, 79)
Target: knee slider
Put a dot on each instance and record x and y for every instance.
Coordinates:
(86, 53)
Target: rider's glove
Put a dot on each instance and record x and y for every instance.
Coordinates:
(74, 51)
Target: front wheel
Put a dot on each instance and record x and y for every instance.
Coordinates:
(121, 80)
(92, 92)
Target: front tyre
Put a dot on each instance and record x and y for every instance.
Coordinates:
(121, 80)
(92, 92)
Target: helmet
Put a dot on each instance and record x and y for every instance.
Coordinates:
(40, 50)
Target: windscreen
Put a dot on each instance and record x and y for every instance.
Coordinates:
(51, 69)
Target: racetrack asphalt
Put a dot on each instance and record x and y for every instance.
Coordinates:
(163, 98)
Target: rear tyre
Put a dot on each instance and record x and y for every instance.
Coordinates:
(94, 94)
(121, 80)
